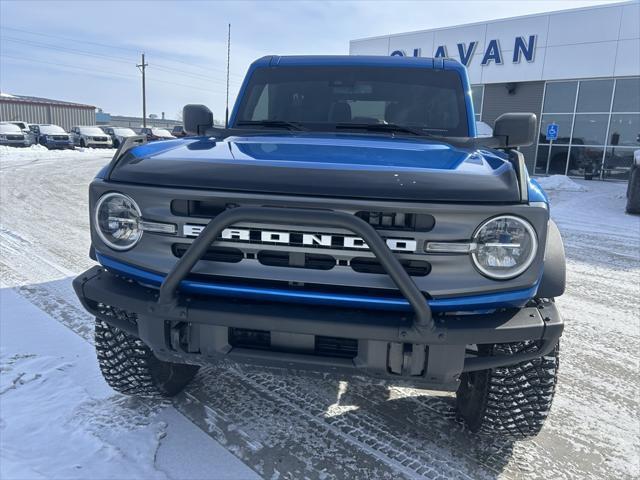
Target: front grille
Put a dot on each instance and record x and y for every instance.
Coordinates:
(417, 222)
(323, 346)
(15, 137)
(60, 137)
(100, 139)
(312, 261)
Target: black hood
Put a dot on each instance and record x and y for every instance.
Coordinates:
(354, 166)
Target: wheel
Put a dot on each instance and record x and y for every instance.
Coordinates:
(633, 191)
(83, 143)
(116, 143)
(130, 367)
(512, 402)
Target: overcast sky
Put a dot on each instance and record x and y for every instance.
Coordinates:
(86, 52)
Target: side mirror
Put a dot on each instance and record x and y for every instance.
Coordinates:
(197, 119)
(515, 129)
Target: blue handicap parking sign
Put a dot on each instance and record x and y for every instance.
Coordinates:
(552, 131)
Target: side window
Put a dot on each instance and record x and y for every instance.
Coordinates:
(261, 111)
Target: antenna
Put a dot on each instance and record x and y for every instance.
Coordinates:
(226, 115)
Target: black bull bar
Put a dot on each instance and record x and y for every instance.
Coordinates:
(541, 322)
(309, 218)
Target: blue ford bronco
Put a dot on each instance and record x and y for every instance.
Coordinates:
(348, 219)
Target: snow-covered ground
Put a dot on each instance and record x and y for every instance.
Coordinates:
(59, 420)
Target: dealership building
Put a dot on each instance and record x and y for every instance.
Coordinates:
(577, 70)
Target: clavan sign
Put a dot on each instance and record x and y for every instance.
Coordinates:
(523, 49)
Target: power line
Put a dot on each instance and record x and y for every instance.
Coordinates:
(63, 49)
(110, 58)
(118, 48)
(106, 73)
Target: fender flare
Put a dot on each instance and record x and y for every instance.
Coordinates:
(554, 275)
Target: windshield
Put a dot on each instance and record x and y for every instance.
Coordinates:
(124, 132)
(51, 129)
(91, 131)
(160, 132)
(321, 98)
(9, 128)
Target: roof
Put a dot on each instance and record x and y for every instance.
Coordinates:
(6, 97)
(357, 60)
(498, 19)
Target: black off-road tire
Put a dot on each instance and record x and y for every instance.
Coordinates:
(633, 191)
(511, 402)
(130, 367)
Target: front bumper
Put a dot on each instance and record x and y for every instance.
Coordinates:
(197, 329)
(15, 143)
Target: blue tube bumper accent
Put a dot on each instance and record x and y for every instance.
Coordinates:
(515, 298)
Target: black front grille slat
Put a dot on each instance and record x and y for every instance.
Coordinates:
(246, 338)
(284, 259)
(199, 208)
(415, 268)
(336, 347)
(323, 346)
(214, 254)
(417, 222)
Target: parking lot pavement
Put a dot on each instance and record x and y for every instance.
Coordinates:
(285, 424)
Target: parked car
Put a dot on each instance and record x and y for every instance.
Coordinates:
(51, 136)
(118, 134)
(24, 126)
(178, 131)
(153, 134)
(11, 135)
(90, 136)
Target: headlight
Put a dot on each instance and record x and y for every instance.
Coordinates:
(117, 219)
(505, 246)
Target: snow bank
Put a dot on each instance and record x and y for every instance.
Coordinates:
(560, 183)
(38, 152)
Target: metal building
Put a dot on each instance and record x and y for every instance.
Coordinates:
(45, 110)
(103, 118)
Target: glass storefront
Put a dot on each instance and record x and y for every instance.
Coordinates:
(598, 127)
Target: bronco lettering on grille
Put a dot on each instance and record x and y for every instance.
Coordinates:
(304, 239)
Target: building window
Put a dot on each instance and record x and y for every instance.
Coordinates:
(598, 127)
(589, 129)
(560, 97)
(477, 96)
(624, 130)
(627, 97)
(595, 96)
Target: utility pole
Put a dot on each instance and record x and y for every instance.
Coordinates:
(226, 115)
(142, 67)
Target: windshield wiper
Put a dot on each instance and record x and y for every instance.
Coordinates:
(272, 124)
(383, 127)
